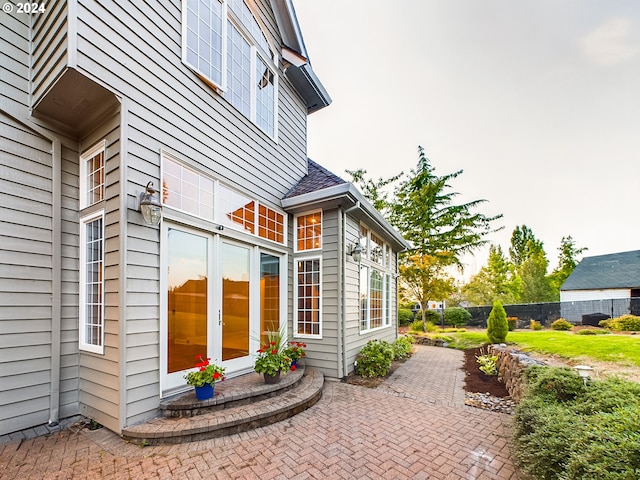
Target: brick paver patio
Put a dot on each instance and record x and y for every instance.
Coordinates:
(414, 425)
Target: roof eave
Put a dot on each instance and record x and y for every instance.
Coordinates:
(303, 78)
(345, 195)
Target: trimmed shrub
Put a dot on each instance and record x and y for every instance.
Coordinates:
(625, 323)
(402, 347)
(497, 326)
(456, 316)
(591, 331)
(405, 317)
(535, 325)
(561, 324)
(374, 359)
(512, 323)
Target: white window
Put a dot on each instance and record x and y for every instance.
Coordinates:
(199, 194)
(307, 297)
(308, 231)
(92, 283)
(185, 189)
(92, 175)
(225, 44)
(202, 31)
(375, 281)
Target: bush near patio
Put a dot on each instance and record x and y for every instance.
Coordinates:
(374, 359)
(567, 430)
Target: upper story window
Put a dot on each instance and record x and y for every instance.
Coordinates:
(308, 231)
(199, 194)
(92, 175)
(225, 44)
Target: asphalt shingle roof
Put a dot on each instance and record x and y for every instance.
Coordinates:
(317, 178)
(616, 270)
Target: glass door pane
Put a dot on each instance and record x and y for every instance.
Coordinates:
(269, 294)
(187, 299)
(236, 262)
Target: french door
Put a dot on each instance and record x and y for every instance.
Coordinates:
(218, 298)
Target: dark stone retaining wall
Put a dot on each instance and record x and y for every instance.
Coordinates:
(511, 365)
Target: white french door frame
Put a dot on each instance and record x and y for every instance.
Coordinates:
(171, 383)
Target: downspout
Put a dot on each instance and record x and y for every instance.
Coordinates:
(56, 279)
(342, 292)
(341, 260)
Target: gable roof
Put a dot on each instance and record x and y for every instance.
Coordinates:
(615, 270)
(320, 188)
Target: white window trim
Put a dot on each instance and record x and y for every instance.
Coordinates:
(221, 87)
(385, 269)
(216, 201)
(295, 297)
(83, 345)
(295, 231)
(86, 155)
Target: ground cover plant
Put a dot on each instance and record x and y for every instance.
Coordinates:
(570, 430)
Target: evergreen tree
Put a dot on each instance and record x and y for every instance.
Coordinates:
(439, 230)
(497, 325)
(567, 262)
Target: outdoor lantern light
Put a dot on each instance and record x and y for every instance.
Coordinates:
(150, 206)
(584, 371)
(356, 252)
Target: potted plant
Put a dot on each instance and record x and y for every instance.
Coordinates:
(271, 360)
(203, 379)
(295, 351)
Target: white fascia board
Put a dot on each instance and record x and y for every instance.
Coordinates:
(353, 197)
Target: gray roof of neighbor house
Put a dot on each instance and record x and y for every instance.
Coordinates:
(320, 188)
(616, 270)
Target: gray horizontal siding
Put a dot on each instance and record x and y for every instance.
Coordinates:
(138, 52)
(25, 277)
(49, 47)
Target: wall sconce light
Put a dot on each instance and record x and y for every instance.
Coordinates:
(150, 206)
(356, 252)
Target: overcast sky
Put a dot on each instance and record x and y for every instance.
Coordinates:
(538, 101)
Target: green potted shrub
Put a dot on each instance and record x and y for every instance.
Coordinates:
(271, 360)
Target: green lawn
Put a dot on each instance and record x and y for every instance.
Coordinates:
(623, 349)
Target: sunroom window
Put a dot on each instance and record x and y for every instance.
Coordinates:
(225, 44)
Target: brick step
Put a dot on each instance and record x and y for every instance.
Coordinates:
(235, 417)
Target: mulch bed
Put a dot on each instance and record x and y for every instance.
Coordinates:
(476, 381)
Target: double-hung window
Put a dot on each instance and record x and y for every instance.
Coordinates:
(91, 298)
(225, 44)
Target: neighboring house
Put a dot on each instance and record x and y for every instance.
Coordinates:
(101, 314)
(606, 284)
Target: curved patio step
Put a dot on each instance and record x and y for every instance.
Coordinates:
(232, 419)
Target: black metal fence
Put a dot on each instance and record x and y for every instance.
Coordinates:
(588, 312)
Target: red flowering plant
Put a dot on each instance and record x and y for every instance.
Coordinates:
(271, 357)
(206, 373)
(295, 350)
